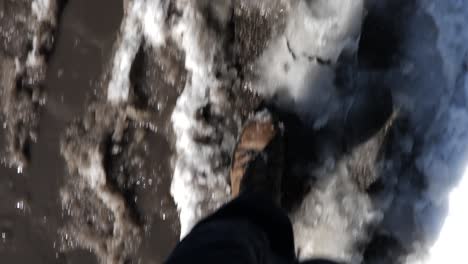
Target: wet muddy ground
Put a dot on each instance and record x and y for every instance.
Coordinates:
(30, 209)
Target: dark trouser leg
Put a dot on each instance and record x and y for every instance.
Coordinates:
(250, 229)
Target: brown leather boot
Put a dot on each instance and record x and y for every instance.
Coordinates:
(257, 163)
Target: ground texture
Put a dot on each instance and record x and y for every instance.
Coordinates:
(120, 117)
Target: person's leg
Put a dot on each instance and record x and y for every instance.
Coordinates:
(250, 229)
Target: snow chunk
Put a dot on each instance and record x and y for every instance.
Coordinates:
(333, 219)
(298, 64)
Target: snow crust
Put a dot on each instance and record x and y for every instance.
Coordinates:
(90, 168)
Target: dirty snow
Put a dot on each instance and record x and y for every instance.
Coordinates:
(316, 34)
(128, 45)
(144, 18)
(145, 21)
(196, 180)
(333, 218)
